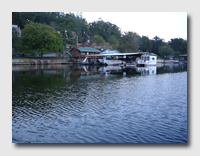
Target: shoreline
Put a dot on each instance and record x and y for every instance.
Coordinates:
(44, 61)
(47, 61)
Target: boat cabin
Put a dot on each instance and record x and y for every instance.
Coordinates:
(149, 58)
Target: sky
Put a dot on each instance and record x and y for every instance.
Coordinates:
(165, 25)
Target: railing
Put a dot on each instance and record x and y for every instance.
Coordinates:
(84, 56)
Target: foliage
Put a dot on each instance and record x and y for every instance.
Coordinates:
(129, 42)
(160, 58)
(98, 39)
(165, 51)
(71, 26)
(178, 44)
(104, 29)
(113, 41)
(145, 44)
(156, 43)
(41, 38)
(183, 48)
(176, 54)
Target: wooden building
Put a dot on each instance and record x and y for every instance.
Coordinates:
(83, 52)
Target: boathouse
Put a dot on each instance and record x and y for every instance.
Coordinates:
(183, 57)
(83, 52)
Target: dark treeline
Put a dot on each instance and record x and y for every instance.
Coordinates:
(104, 34)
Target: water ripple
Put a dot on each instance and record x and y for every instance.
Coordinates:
(141, 109)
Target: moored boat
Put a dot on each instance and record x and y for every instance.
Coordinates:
(111, 61)
(147, 60)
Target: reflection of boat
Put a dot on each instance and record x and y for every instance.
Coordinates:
(131, 63)
(150, 70)
(108, 68)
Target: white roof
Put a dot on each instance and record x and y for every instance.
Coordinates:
(123, 54)
(118, 54)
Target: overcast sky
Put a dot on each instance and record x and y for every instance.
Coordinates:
(165, 25)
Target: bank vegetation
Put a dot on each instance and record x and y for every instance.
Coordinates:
(44, 32)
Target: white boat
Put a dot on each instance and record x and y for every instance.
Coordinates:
(116, 58)
(111, 61)
(147, 60)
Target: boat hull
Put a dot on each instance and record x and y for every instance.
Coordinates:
(111, 62)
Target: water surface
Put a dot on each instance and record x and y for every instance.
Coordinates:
(80, 104)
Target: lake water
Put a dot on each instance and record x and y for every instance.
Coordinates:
(80, 104)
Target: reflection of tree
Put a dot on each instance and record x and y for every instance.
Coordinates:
(171, 69)
(33, 90)
(37, 78)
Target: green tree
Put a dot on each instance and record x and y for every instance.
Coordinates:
(129, 42)
(104, 29)
(165, 51)
(17, 19)
(183, 48)
(176, 43)
(176, 54)
(145, 44)
(113, 41)
(98, 40)
(156, 43)
(41, 38)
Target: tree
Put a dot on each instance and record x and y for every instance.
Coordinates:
(17, 19)
(145, 44)
(113, 41)
(41, 38)
(156, 43)
(183, 48)
(104, 29)
(129, 42)
(165, 51)
(98, 39)
(176, 54)
(176, 43)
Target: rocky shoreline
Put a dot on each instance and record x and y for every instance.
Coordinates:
(41, 61)
(45, 61)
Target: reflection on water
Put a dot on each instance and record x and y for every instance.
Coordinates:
(95, 104)
(80, 71)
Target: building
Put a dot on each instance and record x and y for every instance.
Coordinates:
(183, 57)
(17, 29)
(83, 51)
